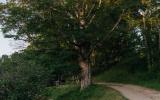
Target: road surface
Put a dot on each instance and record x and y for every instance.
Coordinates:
(133, 92)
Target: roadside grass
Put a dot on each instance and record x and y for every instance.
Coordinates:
(72, 92)
(149, 80)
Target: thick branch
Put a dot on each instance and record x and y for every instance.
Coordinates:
(113, 28)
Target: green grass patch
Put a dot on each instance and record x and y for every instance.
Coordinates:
(72, 92)
(150, 80)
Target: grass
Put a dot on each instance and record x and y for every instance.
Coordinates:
(150, 80)
(72, 92)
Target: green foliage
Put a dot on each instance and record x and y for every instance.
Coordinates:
(21, 78)
(24, 75)
(114, 76)
(143, 78)
(66, 23)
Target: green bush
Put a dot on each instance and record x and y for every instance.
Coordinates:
(24, 75)
(21, 79)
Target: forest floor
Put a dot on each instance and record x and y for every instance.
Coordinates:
(133, 92)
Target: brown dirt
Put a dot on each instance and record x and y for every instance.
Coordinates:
(133, 92)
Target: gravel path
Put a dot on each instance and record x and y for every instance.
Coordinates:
(133, 92)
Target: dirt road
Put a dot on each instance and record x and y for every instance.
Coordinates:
(133, 92)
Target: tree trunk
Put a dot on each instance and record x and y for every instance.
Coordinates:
(159, 41)
(159, 49)
(85, 73)
(149, 62)
(148, 52)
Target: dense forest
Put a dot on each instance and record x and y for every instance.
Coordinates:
(73, 41)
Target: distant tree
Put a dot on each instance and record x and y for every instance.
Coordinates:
(150, 31)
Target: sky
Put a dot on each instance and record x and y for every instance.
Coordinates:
(2, 0)
(9, 46)
(5, 45)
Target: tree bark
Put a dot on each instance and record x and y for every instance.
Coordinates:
(85, 73)
(159, 48)
(148, 52)
(159, 41)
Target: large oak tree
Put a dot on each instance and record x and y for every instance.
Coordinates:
(79, 25)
